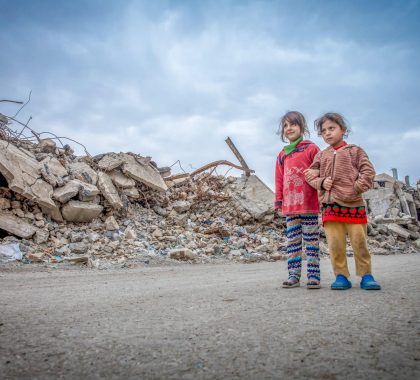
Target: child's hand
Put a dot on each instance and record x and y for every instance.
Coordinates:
(311, 174)
(327, 184)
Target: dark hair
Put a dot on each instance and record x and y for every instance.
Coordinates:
(294, 118)
(334, 117)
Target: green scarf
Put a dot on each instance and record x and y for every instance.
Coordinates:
(291, 147)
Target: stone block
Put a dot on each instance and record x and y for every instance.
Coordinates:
(76, 211)
(109, 191)
(83, 172)
(53, 166)
(122, 181)
(143, 173)
(398, 230)
(110, 162)
(255, 196)
(67, 192)
(16, 226)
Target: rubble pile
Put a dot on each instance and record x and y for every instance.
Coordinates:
(394, 211)
(122, 209)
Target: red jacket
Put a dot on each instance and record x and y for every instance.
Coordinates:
(293, 194)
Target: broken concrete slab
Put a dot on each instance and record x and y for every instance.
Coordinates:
(110, 162)
(132, 193)
(83, 172)
(53, 171)
(23, 174)
(255, 196)
(120, 180)
(379, 200)
(53, 166)
(143, 173)
(68, 191)
(76, 211)
(109, 191)
(16, 226)
(87, 192)
(398, 230)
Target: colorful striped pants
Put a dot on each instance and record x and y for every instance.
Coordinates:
(303, 228)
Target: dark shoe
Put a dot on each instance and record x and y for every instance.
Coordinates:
(369, 283)
(292, 282)
(341, 283)
(313, 284)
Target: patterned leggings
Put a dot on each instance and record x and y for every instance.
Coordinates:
(306, 228)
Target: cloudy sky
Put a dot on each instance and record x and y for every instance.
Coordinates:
(173, 79)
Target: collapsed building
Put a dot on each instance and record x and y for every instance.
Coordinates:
(122, 209)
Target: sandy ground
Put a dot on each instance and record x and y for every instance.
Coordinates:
(226, 321)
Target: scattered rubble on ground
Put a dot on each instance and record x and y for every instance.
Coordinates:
(122, 209)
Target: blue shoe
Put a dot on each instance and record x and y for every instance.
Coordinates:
(369, 283)
(341, 283)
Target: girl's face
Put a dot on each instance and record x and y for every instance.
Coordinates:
(291, 131)
(332, 133)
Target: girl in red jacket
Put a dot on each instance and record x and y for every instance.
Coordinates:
(297, 200)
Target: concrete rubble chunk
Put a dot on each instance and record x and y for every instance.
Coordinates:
(181, 206)
(53, 166)
(23, 174)
(398, 230)
(83, 172)
(36, 257)
(87, 192)
(76, 211)
(143, 173)
(5, 204)
(132, 193)
(47, 146)
(111, 224)
(78, 259)
(109, 191)
(41, 236)
(16, 226)
(110, 162)
(68, 191)
(182, 254)
(255, 196)
(120, 180)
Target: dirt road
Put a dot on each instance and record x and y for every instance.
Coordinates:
(228, 321)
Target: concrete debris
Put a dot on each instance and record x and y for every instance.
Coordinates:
(76, 211)
(121, 209)
(23, 174)
(16, 226)
(67, 192)
(143, 173)
(122, 181)
(109, 191)
(83, 172)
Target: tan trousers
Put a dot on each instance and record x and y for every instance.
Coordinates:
(336, 238)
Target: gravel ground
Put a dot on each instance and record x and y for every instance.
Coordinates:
(225, 321)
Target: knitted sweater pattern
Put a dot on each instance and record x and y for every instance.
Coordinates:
(351, 171)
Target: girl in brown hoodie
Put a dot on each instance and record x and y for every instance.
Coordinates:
(341, 173)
